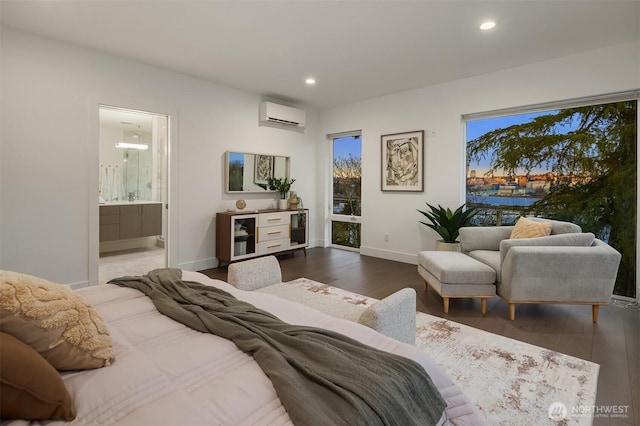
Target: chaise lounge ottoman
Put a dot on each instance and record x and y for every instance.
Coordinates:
(456, 275)
(394, 316)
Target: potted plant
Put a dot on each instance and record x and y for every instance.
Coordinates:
(282, 186)
(447, 224)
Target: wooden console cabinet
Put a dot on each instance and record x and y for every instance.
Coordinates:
(245, 235)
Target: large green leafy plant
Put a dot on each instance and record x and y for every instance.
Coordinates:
(447, 223)
(281, 185)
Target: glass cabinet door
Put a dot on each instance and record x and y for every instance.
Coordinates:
(299, 233)
(244, 236)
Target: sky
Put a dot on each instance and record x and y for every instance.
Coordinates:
(342, 147)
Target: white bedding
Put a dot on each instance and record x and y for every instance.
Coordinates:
(166, 373)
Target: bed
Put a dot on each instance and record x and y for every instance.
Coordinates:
(166, 373)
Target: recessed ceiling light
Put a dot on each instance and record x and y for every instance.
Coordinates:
(487, 25)
(310, 81)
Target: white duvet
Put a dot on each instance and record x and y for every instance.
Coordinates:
(167, 374)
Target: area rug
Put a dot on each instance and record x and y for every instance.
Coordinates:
(510, 382)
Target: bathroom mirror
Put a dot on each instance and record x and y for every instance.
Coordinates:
(248, 173)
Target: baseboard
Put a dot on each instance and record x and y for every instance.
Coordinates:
(78, 285)
(132, 243)
(199, 265)
(397, 256)
(316, 243)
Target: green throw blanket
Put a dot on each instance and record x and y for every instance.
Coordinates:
(321, 377)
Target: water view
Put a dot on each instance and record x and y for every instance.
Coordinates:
(476, 199)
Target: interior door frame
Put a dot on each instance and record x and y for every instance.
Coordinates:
(93, 153)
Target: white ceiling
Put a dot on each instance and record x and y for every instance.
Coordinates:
(355, 49)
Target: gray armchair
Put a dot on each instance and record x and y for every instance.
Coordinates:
(567, 267)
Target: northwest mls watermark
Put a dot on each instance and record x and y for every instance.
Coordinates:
(558, 411)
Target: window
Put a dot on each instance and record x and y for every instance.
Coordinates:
(574, 162)
(346, 155)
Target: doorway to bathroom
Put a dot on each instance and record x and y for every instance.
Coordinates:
(132, 187)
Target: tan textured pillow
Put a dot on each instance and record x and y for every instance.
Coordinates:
(526, 228)
(31, 388)
(59, 324)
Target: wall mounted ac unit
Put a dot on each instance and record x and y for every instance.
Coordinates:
(282, 116)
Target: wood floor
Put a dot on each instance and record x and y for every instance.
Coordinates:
(613, 342)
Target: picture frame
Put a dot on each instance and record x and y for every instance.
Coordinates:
(263, 169)
(402, 162)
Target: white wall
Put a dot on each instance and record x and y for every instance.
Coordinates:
(438, 111)
(49, 158)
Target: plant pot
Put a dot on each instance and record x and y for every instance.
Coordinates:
(282, 204)
(442, 246)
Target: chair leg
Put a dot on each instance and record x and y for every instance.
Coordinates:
(512, 311)
(594, 312)
(484, 305)
(446, 304)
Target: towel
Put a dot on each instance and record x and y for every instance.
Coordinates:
(117, 190)
(104, 184)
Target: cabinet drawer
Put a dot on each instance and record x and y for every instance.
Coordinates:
(272, 219)
(268, 233)
(109, 210)
(273, 246)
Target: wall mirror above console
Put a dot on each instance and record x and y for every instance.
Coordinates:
(248, 173)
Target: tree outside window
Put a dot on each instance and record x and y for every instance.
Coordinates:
(573, 164)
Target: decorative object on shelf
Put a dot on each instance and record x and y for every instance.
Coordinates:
(282, 186)
(402, 161)
(293, 200)
(241, 204)
(447, 224)
(300, 217)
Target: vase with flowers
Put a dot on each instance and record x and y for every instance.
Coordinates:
(282, 185)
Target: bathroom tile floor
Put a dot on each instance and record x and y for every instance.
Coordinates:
(130, 262)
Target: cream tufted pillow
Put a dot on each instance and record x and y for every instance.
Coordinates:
(526, 228)
(59, 324)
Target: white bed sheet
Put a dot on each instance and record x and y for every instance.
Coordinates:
(167, 374)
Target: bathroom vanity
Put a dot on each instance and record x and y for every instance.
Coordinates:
(132, 219)
(245, 235)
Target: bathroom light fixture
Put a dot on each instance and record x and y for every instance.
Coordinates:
(310, 81)
(485, 26)
(140, 146)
